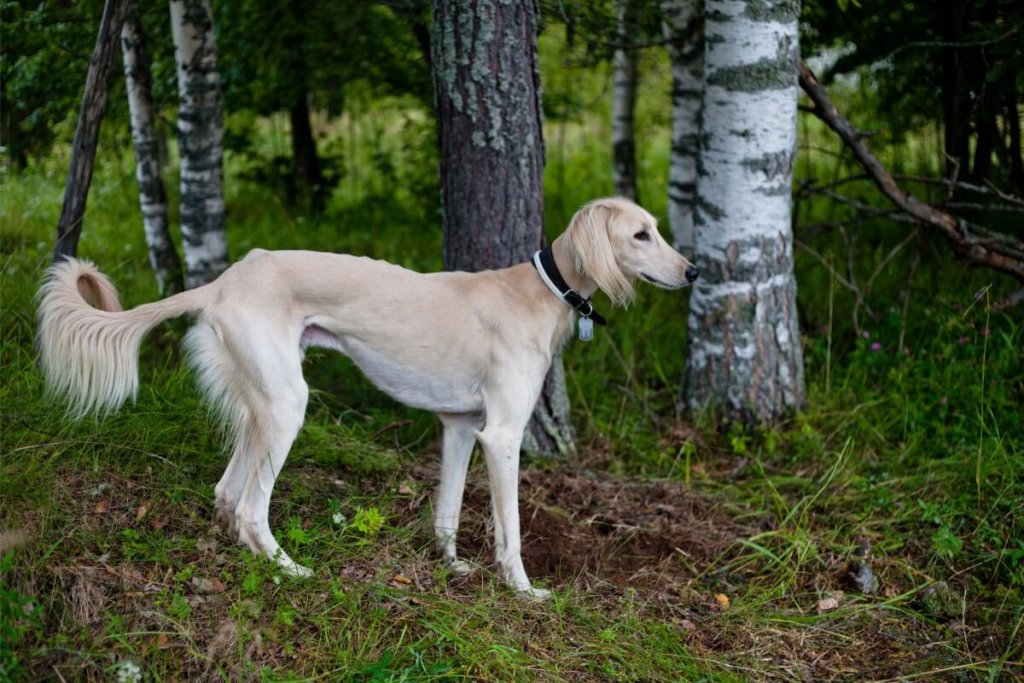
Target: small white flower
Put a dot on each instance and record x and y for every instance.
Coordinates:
(277, 580)
(128, 672)
(338, 518)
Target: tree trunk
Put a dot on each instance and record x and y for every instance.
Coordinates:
(152, 196)
(1014, 150)
(683, 20)
(487, 102)
(624, 77)
(745, 356)
(308, 175)
(307, 170)
(201, 133)
(956, 90)
(87, 131)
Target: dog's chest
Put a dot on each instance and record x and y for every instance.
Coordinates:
(433, 381)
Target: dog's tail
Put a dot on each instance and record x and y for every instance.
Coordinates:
(88, 346)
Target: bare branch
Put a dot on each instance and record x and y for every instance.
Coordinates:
(998, 252)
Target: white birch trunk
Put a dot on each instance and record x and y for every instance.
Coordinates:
(686, 55)
(745, 355)
(152, 197)
(201, 132)
(624, 75)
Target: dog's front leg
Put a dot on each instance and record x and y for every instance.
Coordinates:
(456, 449)
(501, 451)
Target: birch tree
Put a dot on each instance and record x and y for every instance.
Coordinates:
(152, 197)
(201, 132)
(487, 102)
(745, 356)
(624, 80)
(682, 26)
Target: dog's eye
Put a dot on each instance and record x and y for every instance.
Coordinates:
(643, 236)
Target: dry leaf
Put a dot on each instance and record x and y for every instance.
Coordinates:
(405, 489)
(685, 624)
(204, 585)
(402, 579)
(142, 510)
(158, 522)
(827, 604)
(722, 599)
(101, 507)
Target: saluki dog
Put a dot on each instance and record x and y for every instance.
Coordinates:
(474, 348)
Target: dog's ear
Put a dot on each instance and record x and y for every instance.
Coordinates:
(592, 247)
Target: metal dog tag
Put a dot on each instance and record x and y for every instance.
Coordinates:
(586, 329)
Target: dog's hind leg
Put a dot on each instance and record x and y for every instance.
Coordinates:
(456, 449)
(264, 457)
(275, 396)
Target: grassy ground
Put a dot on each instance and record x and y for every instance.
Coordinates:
(875, 536)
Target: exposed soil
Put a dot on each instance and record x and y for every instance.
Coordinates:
(591, 530)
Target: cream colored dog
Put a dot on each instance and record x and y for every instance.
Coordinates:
(472, 347)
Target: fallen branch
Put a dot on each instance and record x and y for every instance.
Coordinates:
(997, 251)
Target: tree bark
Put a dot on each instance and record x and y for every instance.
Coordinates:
(956, 89)
(307, 170)
(201, 134)
(87, 131)
(683, 23)
(624, 78)
(308, 174)
(1014, 149)
(487, 103)
(152, 197)
(745, 356)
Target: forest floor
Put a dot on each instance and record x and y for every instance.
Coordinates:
(654, 580)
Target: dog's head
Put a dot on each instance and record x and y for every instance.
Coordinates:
(616, 242)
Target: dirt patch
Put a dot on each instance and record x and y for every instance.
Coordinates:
(596, 531)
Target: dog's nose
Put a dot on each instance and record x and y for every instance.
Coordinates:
(692, 274)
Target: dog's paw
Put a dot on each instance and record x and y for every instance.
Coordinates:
(290, 567)
(296, 570)
(535, 594)
(459, 567)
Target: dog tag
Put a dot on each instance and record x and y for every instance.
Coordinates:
(586, 329)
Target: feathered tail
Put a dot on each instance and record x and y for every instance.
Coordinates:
(88, 346)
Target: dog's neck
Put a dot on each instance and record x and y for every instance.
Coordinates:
(565, 259)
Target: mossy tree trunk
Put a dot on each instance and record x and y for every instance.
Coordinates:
(683, 20)
(201, 134)
(745, 356)
(152, 196)
(487, 102)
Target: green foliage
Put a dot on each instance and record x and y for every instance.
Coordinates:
(20, 616)
(368, 521)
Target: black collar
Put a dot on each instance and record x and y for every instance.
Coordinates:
(544, 262)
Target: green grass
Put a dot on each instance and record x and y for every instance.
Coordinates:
(111, 557)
